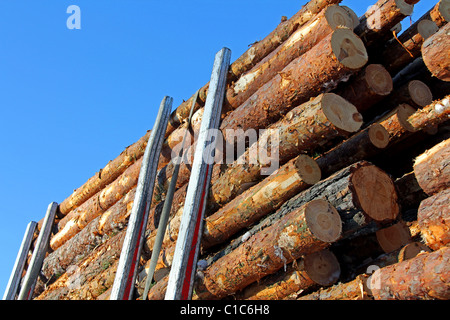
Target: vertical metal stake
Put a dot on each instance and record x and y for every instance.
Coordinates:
(129, 258)
(42, 242)
(189, 236)
(21, 259)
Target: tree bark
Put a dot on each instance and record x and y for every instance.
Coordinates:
(399, 53)
(331, 61)
(301, 41)
(380, 19)
(106, 175)
(361, 146)
(434, 220)
(368, 88)
(435, 53)
(434, 114)
(305, 230)
(432, 168)
(256, 202)
(410, 194)
(303, 129)
(254, 54)
(96, 205)
(423, 277)
(319, 268)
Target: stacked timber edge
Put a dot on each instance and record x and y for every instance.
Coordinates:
(357, 204)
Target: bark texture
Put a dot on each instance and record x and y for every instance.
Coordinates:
(423, 277)
(434, 220)
(432, 168)
(436, 53)
(331, 61)
(308, 229)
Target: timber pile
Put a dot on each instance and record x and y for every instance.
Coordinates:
(359, 206)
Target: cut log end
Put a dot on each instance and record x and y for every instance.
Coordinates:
(427, 28)
(323, 220)
(338, 16)
(379, 79)
(420, 93)
(411, 250)
(349, 48)
(322, 267)
(444, 9)
(405, 8)
(379, 136)
(341, 113)
(404, 111)
(393, 237)
(308, 169)
(376, 193)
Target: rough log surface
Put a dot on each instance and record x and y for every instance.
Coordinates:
(436, 53)
(424, 277)
(432, 168)
(434, 220)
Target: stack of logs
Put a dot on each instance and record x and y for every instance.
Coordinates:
(358, 208)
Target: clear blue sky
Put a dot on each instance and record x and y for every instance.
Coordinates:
(71, 100)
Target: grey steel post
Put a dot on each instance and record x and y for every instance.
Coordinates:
(42, 242)
(186, 251)
(21, 259)
(129, 257)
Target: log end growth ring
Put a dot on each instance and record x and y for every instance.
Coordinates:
(379, 79)
(322, 267)
(308, 169)
(338, 16)
(376, 193)
(323, 220)
(341, 113)
(379, 136)
(348, 48)
(420, 93)
(444, 9)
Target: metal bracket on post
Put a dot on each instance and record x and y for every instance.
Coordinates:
(21, 259)
(129, 258)
(42, 242)
(183, 269)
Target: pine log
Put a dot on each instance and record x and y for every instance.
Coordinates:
(434, 220)
(105, 176)
(432, 168)
(319, 268)
(436, 53)
(331, 61)
(308, 229)
(369, 87)
(423, 277)
(301, 41)
(396, 123)
(258, 201)
(399, 53)
(339, 190)
(353, 290)
(394, 237)
(361, 193)
(303, 129)
(96, 205)
(380, 19)
(361, 146)
(434, 114)
(444, 9)
(410, 194)
(254, 54)
(86, 269)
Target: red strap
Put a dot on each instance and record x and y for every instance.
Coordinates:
(190, 264)
(126, 294)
